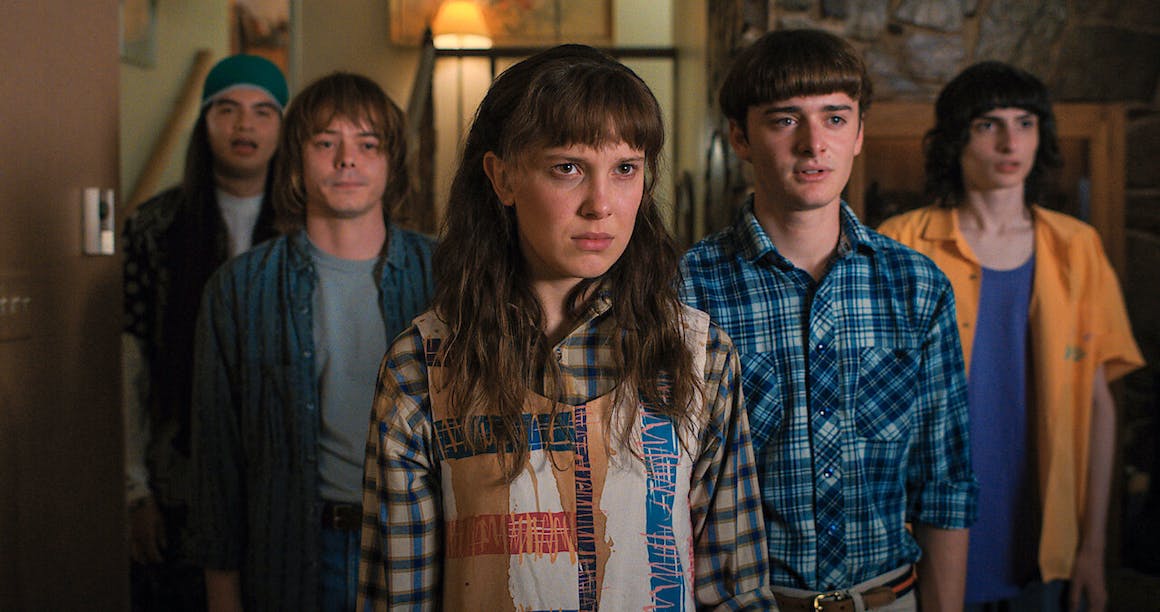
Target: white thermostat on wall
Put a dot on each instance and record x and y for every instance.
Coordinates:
(97, 222)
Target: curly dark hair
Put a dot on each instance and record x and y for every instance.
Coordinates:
(567, 95)
(788, 63)
(359, 100)
(977, 90)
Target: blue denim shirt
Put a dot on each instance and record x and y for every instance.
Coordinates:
(256, 412)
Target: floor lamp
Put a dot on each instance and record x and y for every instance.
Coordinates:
(459, 24)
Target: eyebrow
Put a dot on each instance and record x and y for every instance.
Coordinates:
(829, 108)
(228, 101)
(572, 159)
(364, 133)
(990, 117)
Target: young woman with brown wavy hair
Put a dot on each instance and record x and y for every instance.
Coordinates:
(559, 432)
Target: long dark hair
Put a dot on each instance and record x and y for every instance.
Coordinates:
(198, 243)
(568, 95)
(977, 90)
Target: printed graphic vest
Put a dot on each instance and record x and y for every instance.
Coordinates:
(582, 527)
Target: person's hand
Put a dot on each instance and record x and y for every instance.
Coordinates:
(146, 532)
(1087, 583)
(223, 591)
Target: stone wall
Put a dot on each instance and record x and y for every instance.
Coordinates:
(1085, 50)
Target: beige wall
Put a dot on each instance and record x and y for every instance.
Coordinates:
(148, 94)
(353, 35)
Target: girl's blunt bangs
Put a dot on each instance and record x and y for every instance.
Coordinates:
(597, 108)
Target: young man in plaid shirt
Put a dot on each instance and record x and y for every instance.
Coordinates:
(851, 365)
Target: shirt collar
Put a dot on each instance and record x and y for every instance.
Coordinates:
(942, 225)
(755, 243)
(394, 254)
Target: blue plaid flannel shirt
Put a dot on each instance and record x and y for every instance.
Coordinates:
(856, 396)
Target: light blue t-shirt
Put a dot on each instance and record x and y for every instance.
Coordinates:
(1004, 540)
(349, 341)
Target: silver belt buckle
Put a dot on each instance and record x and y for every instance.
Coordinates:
(822, 598)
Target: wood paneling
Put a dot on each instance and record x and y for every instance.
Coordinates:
(62, 525)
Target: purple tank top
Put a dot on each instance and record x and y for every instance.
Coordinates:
(1005, 538)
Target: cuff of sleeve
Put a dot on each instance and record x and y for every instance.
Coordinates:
(946, 505)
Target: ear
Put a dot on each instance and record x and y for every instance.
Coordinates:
(861, 132)
(738, 140)
(501, 175)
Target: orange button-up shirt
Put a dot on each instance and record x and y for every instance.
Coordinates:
(1078, 322)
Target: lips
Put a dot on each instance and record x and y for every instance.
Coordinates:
(592, 241)
(1007, 167)
(811, 174)
(243, 146)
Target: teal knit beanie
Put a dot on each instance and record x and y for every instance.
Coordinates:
(245, 71)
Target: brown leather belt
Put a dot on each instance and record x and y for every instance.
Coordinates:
(344, 517)
(843, 601)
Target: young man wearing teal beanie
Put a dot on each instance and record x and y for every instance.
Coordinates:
(172, 244)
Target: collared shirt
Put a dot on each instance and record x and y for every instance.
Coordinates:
(1078, 323)
(405, 505)
(256, 423)
(856, 397)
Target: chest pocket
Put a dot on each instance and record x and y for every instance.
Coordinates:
(763, 390)
(886, 390)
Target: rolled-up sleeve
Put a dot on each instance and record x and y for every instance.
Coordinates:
(941, 487)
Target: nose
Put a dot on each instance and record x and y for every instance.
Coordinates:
(596, 204)
(810, 139)
(343, 157)
(1005, 140)
(243, 119)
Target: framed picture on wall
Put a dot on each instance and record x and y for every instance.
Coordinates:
(261, 27)
(515, 22)
(138, 20)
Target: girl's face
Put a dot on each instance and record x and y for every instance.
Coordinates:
(575, 208)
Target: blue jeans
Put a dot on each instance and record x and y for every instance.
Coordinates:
(339, 580)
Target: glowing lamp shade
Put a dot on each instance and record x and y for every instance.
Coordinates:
(459, 24)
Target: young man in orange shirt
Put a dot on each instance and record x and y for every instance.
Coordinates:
(1043, 330)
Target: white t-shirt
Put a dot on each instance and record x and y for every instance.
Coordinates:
(240, 215)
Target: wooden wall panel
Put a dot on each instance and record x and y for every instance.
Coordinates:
(62, 525)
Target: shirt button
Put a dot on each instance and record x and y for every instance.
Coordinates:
(823, 412)
(832, 529)
(820, 347)
(307, 354)
(310, 407)
(827, 473)
(559, 354)
(966, 324)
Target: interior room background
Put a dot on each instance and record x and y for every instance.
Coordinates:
(76, 115)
